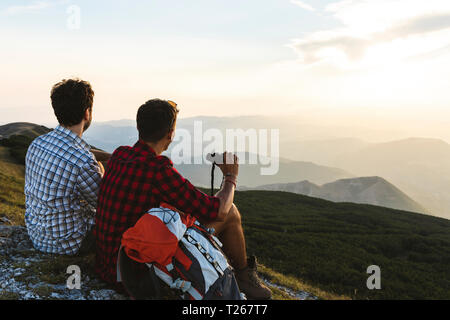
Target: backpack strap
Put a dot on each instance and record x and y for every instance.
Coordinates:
(154, 280)
(178, 283)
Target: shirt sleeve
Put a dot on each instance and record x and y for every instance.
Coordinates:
(180, 193)
(88, 182)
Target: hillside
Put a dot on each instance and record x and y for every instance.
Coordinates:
(30, 130)
(330, 245)
(368, 190)
(12, 198)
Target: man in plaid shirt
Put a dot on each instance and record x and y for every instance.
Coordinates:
(62, 176)
(138, 178)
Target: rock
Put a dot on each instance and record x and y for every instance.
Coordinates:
(5, 231)
(28, 274)
(29, 296)
(55, 295)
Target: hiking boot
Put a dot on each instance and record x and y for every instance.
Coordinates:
(249, 282)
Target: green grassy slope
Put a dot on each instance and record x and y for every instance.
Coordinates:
(330, 245)
(28, 129)
(12, 199)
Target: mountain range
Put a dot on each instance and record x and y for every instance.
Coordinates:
(368, 190)
(419, 167)
(250, 174)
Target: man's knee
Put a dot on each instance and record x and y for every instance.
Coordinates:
(233, 218)
(234, 215)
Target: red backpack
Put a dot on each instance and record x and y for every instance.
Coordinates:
(179, 252)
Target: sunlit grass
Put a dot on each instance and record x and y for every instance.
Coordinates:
(295, 285)
(12, 199)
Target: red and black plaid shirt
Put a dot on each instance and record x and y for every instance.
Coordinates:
(136, 180)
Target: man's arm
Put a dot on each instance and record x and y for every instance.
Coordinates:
(88, 182)
(177, 191)
(226, 193)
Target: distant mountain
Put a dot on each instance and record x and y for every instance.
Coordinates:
(418, 166)
(299, 139)
(30, 130)
(250, 175)
(321, 151)
(110, 135)
(368, 190)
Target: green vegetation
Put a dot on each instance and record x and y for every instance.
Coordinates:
(18, 146)
(12, 199)
(295, 284)
(12, 160)
(7, 295)
(330, 245)
(52, 268)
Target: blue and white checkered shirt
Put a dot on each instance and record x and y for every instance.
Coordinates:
(62, 180)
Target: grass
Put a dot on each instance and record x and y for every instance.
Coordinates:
(330, 245)
(12, 199)
(7, 295)
(295, 284)
(9, 165)
(52, 268)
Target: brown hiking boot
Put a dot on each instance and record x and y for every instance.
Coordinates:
(249, 282)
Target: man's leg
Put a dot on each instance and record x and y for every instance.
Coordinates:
(231, 234)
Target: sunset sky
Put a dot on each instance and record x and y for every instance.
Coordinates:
(380, 63)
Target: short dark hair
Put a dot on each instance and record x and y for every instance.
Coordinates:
(70, 100)
(155, 119)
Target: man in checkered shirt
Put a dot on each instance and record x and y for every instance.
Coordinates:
(139, 178)
(62, 175)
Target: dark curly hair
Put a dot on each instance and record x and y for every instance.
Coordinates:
(70, 100)
(155, 119)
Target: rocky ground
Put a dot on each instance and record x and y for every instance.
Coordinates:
(27, 274)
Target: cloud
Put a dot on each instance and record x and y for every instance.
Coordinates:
(35, 6)
(373, 24)
(303, 5)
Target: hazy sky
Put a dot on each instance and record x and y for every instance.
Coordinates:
(377, 63)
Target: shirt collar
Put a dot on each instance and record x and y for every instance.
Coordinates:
(72, 136)
(144, 148)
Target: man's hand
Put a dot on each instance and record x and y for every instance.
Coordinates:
(230, 169)
(230, 165)
(102, 169)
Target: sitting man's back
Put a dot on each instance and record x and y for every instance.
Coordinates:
(62, 179)
(139, 178)
(136, 180)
